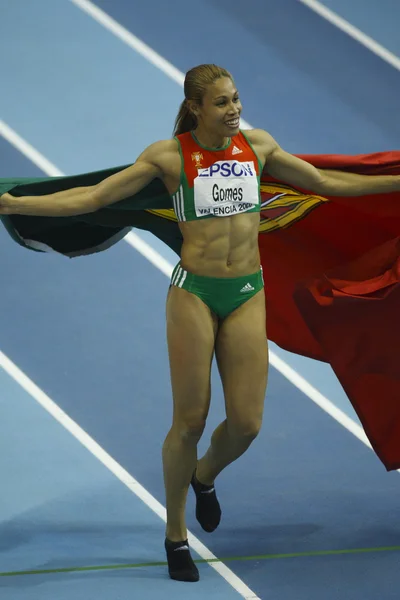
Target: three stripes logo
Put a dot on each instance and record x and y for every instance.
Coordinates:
(178, 277)
(247, 288)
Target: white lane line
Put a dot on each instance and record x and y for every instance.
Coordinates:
(130, 40)
(171, 71)
(150, 253)
(353, 32)
(136, 44)
(29, 151)
(166, 267)
(126, 478)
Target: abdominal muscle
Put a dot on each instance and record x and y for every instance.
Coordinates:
(221, 246)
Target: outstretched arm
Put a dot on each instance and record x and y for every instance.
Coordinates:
(80, 200)
(297, 172)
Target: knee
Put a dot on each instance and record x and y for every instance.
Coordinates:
(245, 429)
(190, 429)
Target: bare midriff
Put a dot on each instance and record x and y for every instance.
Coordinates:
(221, 246)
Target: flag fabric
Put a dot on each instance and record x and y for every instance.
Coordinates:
(332, 276)
(331, 268)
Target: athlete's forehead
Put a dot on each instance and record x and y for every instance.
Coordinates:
(222, 87)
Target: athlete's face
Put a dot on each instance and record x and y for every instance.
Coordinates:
(221, 108)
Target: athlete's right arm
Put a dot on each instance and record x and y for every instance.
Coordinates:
(80, 200)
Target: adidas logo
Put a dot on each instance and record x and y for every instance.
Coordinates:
(247, 288)
(236, 150)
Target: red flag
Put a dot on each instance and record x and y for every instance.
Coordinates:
(331, 271)
(333, 288)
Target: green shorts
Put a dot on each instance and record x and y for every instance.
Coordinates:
(222, 295)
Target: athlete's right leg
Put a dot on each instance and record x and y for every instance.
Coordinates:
(191, 333)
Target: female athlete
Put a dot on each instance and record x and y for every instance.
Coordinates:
(215, 302)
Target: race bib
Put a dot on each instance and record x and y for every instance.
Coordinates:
(226, 188)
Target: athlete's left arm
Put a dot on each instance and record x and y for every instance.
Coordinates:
(297, 172)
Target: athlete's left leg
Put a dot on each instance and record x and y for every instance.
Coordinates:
(242, 357)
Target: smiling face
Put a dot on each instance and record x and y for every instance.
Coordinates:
(218, 115)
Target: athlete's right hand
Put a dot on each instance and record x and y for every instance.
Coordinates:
(6, 202)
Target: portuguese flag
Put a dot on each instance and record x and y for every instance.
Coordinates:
(331, 269)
